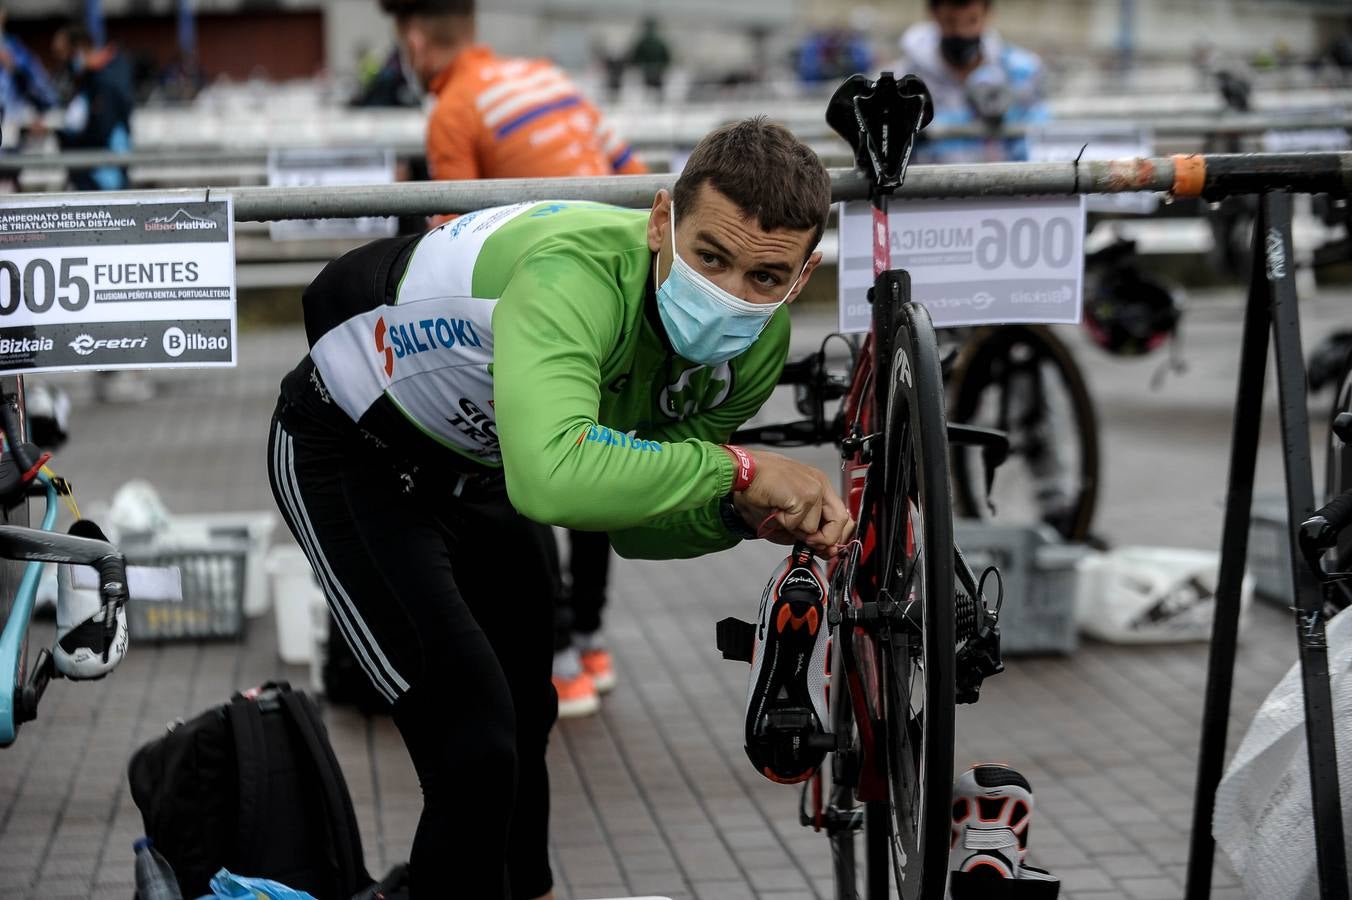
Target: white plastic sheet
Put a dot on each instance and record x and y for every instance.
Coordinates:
(1264, 818)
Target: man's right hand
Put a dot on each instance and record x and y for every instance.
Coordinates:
(801, 501)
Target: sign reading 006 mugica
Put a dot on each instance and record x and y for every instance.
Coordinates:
(102, 284)
(972, 262)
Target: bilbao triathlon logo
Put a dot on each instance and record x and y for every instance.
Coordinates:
(383, 347)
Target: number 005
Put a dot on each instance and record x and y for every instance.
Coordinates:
(36, 286)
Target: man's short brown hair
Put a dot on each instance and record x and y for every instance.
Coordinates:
(428, 7)
(770, 174)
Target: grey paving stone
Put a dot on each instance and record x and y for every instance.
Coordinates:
(1077, 880)
(1130, 865)
(724, 890)
(1151, 888)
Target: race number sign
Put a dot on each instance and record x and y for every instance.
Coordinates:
(1064, 142)
(314, 167)
(107, 284)
(972, 262)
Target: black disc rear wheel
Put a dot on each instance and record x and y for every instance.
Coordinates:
(914, 518)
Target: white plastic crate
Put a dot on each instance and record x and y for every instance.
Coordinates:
(1039, 572)
(212, 604)
(254, 529)
(302, 616)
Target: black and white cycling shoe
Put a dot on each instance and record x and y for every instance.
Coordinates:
(85, 649)
(786, 698)
(992, 810)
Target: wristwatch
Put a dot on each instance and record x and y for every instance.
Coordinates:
(732, 519)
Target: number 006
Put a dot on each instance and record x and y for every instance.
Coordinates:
(1025, 243)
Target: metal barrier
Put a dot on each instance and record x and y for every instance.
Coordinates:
(1210, 177)
(1271, 316)
(1163, 127)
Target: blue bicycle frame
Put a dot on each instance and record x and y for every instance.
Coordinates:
(14, 639)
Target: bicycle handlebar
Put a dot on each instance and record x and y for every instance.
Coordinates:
(36, 545)
(1320, 531)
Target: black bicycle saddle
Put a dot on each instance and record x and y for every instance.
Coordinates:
(880, 120)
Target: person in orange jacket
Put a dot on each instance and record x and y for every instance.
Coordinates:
(501, 117)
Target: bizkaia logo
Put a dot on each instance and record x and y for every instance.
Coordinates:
(86, 344)
(181, 220)
(409, 339)
(10, 346)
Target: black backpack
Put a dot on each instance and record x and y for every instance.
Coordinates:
(251, 786)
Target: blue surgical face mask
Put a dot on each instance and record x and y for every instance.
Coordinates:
(705, 323)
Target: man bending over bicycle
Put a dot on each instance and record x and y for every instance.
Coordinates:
(568, 363)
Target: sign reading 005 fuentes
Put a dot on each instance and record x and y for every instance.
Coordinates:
(971, 262)
(100, 284)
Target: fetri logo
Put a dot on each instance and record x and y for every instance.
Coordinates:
(384, 348)
(86, 344)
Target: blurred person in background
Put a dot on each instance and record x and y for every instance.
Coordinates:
(498, 117)
(99, 108)
(976, 79)
(834, 54)
(24, 87)
(98, 112)
(651, 56)
(387, 83)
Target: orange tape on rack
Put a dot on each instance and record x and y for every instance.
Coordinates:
(1189, 175)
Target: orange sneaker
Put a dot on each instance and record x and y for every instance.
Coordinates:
(598, 664)
(577, 695)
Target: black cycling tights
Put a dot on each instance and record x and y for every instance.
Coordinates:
(446, 602)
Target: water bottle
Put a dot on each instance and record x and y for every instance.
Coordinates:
(155, 880)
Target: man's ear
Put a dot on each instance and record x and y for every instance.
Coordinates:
(812, 262)
(659, 220)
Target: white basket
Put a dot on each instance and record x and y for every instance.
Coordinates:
(1138, 595)
(254, 529)
(299, 604)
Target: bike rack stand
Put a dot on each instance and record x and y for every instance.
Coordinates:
(1271, 309)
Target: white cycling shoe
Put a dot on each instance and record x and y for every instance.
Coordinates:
(85, 649)
(992, 809)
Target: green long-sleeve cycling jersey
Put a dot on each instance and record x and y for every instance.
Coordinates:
(527, 338)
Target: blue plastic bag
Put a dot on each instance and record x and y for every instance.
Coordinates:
(227, 886)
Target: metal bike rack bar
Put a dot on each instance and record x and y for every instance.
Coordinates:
(1211, 176)
(1161, 127)
(1271, 311)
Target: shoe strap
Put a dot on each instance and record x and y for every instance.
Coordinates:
(991, 839)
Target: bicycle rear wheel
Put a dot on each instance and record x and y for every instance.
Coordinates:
(914, 518)
(1022, 380)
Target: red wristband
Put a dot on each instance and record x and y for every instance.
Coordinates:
(746, 468)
